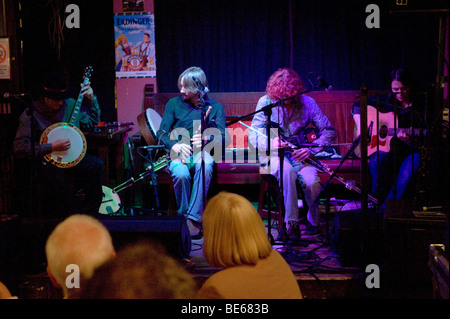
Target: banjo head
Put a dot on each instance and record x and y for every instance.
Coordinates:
(77, 149)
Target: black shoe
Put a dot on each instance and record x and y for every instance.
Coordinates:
(195, 229)
(293, 228)
(312, 230)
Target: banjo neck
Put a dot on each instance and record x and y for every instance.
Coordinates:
(77, 107)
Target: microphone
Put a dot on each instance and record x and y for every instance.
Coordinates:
(130, 150)
(200, 85)
(152, 147)
(322, 83)
(8, 95)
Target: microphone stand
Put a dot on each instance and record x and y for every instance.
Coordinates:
(268, 106)
(30, 112)
(202, 129)
(268, 114)
(324, 187)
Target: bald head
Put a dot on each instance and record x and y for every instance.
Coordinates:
(79, 240)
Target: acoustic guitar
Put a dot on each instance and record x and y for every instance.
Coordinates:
(380, 135)
(62, 130)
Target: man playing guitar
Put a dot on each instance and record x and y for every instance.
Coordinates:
(393, 121)
(55, 106)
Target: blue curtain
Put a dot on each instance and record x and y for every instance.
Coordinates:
(240, 43)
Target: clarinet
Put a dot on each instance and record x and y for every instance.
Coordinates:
(318, 164)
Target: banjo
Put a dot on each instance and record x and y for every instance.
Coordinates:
(62, 130)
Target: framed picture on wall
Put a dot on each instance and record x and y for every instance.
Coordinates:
(132, 5)
(5, 63)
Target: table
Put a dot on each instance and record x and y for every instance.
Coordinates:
(108, 144)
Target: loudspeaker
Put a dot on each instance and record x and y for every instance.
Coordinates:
(171, 231)
(408, 242)
(355, 242)
(10, 249)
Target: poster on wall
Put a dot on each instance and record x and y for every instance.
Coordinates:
(134, 35)
(5, 67)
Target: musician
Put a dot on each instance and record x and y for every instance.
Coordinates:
(291, 117)
(52, 106)
(183, 115)
(393, 167)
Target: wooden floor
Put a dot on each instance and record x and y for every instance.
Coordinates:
(325, 269)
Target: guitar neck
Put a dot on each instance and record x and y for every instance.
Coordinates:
(409, 131)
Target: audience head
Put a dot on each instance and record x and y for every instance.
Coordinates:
(233, 232)
(79, 240)
(141, 270)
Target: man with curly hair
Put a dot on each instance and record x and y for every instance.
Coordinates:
(292, 113)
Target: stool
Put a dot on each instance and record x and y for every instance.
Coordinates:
(269, 186)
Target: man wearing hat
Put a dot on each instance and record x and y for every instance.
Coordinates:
(53, 106)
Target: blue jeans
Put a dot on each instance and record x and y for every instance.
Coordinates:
(190, 199)
(388, 183)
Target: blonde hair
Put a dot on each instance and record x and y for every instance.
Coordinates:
(119, 40)
(185, 79)
(234, 233)
(81, 240)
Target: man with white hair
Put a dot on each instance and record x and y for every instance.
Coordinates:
(76, 247)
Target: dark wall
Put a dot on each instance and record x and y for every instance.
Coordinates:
(240, 43)
(90, 45)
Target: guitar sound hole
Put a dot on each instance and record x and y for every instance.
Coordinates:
(383, 131)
